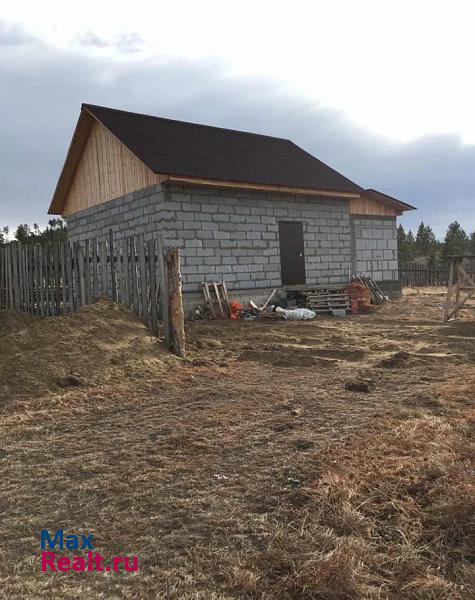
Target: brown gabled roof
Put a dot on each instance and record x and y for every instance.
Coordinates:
(178, 148)
(193, 150)
(202, 152)
(387, 200)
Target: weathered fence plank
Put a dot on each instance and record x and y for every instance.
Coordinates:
(125, 271)
(153, 288)
(60, 278)
(420, 275)
(163, 291)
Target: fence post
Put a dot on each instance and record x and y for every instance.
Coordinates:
(112, 261)
(175, 302)
(153, 287)
(162, 275)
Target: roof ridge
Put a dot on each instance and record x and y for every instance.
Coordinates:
(154, 117)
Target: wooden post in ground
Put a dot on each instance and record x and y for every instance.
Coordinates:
(458, 285)
(461, 284)
(448, 303)
(112, 261)
(175, 302)
(162, 281)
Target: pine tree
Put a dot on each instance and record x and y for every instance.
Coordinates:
(471, 244)
(405, 244)
(22, 233)
(456, 240)
(426, 242)
(56, 231)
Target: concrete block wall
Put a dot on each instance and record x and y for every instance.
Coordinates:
(374, 241)
(233, 235)
(133, 213)
(228, 234)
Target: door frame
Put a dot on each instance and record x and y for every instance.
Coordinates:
(301, 223)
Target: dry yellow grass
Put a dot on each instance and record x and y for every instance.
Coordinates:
(249, 471)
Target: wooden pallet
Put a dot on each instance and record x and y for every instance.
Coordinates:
(324, 300)
(216, 298)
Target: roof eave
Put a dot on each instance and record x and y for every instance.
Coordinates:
(73, 156)
(180, 179)
(389, 200)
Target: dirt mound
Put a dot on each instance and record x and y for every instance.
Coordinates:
(395, 361)
(11, 321)
(104, 342)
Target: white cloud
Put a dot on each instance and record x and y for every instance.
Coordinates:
(43, 85)
(400, 68)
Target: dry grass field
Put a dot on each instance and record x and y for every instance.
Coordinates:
(248, 470)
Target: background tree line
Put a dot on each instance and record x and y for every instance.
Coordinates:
(56, 231)
(425, 248)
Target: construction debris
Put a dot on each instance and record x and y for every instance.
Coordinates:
(360, 298)
(332, 299)
(296, 314)
(377, 296)
(266, 303)
(216, 298)
(329, 299)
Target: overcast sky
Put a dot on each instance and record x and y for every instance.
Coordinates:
(382, 91)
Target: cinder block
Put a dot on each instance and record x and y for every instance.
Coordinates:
(186, 270)
(195, 243)
(242, 210)
(392, 244)
(203, 235)
(204, 252)
(221, 235)
(268, 220)
(240, 268)
(389, 234)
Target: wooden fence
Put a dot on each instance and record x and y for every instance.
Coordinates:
(59, 278)
(418, 275)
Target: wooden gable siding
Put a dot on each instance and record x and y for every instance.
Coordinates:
(367, 206)
(107, 170)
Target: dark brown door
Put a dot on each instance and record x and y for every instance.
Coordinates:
(292, 258)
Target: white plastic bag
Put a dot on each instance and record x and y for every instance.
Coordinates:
(296, 314)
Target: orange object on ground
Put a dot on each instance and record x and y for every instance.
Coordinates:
(360, 297)
(236, 308)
